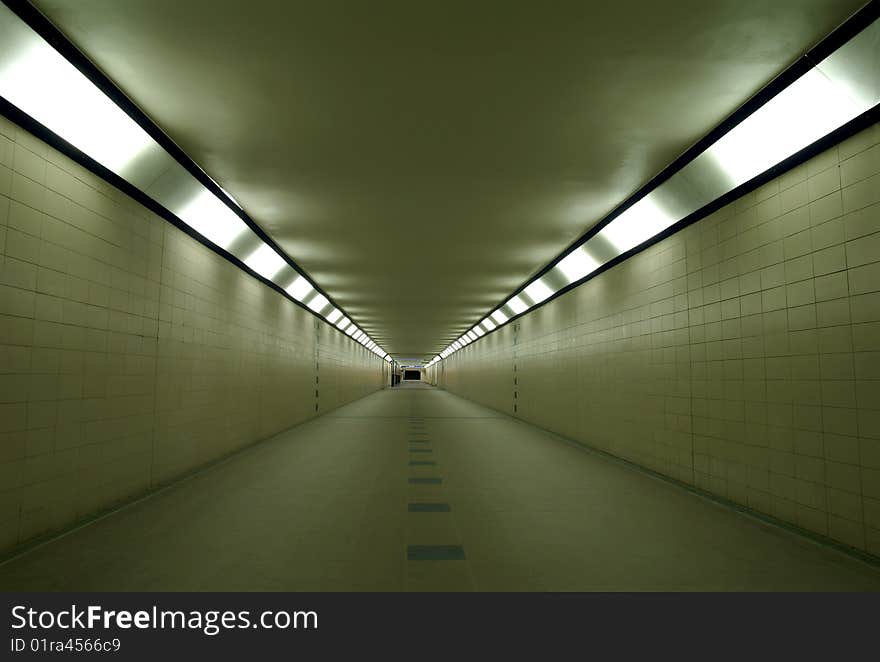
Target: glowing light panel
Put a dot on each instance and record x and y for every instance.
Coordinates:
(300, 288)
(516, 304)
(212, 219)
(51, 90)
(538, 291)
(638, 223)
(499, 317)
(265, 261)
(576, 265)
(318, 302)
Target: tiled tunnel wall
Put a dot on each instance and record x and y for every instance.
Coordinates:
(740, 355)
(130, 353)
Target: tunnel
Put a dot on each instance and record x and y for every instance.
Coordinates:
(467, 297)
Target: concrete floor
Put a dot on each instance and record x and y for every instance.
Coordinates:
(335, 504)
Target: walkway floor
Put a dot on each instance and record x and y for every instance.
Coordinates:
(413, 488)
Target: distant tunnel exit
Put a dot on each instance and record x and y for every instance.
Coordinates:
(412, 374)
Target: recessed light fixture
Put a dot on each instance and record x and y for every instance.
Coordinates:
(212, 219)
(577, 264)
(38, 80)
(300, 288)
(499, 317)
(806, 110)
(637, 224)
(807, 105)
(538, 291)
(265, 261)
(318, 302)
(64, 102)
(516, 304)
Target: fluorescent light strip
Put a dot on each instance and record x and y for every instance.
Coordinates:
(300, 288)
(318, 302)
(265, 261)
(837, 90)
(637, 224)
(815, 104)
(577, 264)
(206, 214)
(39, 81)
(538, 291)
(809, 108)
(516, 304)
(478, 330)
(43, 84)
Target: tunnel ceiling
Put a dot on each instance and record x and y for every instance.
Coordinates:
(420, 162)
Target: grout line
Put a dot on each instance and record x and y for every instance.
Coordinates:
(156, 358)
